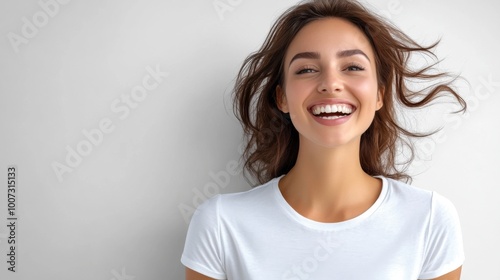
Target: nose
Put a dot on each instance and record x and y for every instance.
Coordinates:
(330, 82)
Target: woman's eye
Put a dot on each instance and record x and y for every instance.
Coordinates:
(306, 70)
(355, 68)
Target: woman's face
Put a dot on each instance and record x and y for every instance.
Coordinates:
(330, 83)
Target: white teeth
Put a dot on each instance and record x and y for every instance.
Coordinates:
(316, 110)
(335, 108)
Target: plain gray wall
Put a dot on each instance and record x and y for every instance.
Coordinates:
(142, 89)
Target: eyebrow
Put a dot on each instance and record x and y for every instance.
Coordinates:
(340, 54)
(310, 55)
(352, 52)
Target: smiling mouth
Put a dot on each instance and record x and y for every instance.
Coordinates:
(333, 111)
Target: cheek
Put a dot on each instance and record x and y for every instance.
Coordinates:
(367, 91)
(296, 93)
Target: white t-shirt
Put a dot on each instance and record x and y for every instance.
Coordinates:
(408, 233)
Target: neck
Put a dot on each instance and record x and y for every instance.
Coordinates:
(329, 180)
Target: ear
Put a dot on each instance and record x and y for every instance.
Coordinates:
(281, 99)
(380, 98)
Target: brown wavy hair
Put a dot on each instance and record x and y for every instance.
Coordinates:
(273, 142)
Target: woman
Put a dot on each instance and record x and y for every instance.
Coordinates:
(317, 103)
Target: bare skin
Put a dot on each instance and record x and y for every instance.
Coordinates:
(193, 275)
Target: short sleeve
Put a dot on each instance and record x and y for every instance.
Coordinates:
(444, 250)
(202, 250)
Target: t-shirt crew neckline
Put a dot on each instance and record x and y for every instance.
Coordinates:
(295, 216)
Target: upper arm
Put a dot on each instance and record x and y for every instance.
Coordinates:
(454, 275)
(193, 275)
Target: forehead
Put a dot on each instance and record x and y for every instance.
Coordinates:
(329, 35)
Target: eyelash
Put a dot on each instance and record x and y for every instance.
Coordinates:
(359, 67)
(307, 69)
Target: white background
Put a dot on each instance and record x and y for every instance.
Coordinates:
(121, 212)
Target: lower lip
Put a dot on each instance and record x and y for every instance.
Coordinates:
(337, 121)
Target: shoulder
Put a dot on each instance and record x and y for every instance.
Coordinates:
(233, 204)
(221, 218)
(401, 192)
(430, 204)
(437, 213)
